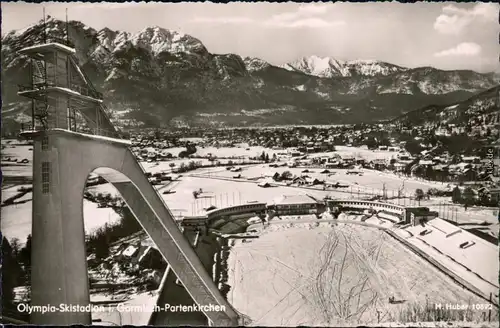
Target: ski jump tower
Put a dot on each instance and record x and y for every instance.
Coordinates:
(73, 137)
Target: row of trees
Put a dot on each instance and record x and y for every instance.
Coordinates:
(192, 165)
(16, 271)
(265, 157)
(465, 197)
(468, 197)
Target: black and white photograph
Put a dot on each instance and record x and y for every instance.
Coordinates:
(280, 164)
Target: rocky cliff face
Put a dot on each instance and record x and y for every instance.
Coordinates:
(160, 77)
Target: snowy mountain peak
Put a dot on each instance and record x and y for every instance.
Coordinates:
(158, 39)
(330, 67)
(255, 64)
(318, 66)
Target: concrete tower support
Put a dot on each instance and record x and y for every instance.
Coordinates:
(62, 161)
(59, 246)
(59, 263)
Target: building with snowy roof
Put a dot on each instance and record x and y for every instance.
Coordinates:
(295, 205)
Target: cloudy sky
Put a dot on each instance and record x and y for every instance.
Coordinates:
(446, 35)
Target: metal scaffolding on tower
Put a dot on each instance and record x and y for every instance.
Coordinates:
(62, 96)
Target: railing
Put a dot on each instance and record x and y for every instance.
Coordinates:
(74, 87)
(33, 87)
(86, 91)
(98, 132)
(85, 76)
(27, 128)
(106, 133)
(55, 39)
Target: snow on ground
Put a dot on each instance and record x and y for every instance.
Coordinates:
(19, 152)
(480, 259)
(135, 311)
(439, 324)
(16, 170)
(104, 189)
(364, 153)
(16, 219)
(222, 193)
(16, 150)
(370, 181)
(239, 151)
(193, 139)
(11, 191)
(275, 282)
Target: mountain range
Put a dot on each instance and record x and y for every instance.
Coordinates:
(160, 77)
(482, 111)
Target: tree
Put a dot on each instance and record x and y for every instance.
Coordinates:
(100, 243)
(10, 274)
(267, 158)
(413, 146)
(172, 165)
(371, 143)
(107, 198)
(429, 173)
(25, 253)
(384, 142)
(419, 195)
(16, 247)
(158, 134)
(286, 175)
(468, 196)
(456, 195)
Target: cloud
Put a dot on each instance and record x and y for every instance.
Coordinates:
(224, 20)
(312, 9)
(454, 20)
(304, 16)
(307, 22)
(463, 49)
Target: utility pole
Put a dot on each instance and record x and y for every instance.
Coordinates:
(44, 27)
(67, 27)
(489, 311)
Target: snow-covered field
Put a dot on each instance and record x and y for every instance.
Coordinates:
(241, 151)
(16, 219)
(292, 276)
(221, 193)
(359, 153)
(370, 181)
(19, 152)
